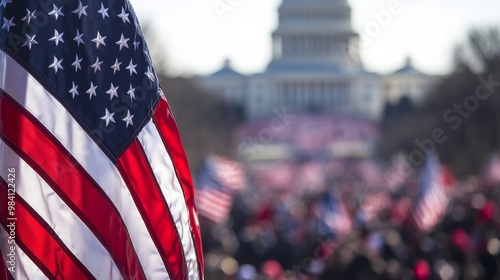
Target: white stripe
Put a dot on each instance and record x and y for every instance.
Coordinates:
(68, 227)
(43, 106)
(163, 169)
(3, 67)
(25, 267)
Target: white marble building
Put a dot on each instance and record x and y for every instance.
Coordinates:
(315, 68)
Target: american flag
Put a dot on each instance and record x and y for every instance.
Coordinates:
(333, 216)
(433, 201)
(217, 182)
(230, 173)
(103, 188)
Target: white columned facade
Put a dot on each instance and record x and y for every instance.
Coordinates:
(315, 67)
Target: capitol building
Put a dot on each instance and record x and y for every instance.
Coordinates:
(316, 68)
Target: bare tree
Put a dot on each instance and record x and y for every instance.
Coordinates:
(471, 125)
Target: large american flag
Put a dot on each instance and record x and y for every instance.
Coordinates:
(103, 188)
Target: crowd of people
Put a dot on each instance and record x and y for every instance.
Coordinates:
(319, 215)
(282, 235)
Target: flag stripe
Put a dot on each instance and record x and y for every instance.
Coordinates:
(72, 184)
(218, 199)
(433, 201)
(173, 196)
(214, 205)
(137, 174)
(169, 134)
(35, 235)
(76, 156)
(25, 267)
(69, 133)
(213, 198)
(35, 268)
(75, 234)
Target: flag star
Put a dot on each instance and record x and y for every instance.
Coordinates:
(108, 117)
(91, 91)
(103, 11)
(30, 40)
(80, 10)
(78, 39)
(56, 12)
(57, 37)
(150, 74)
(97, 65)
(123, 42)
(116, 66)
(77, 64)
(124, 16)
(5, 2)
(74, 90)
(56, 64)
(99, 40)
(113, 92)
(131, 68)
(131, 93)
(128, 119)
(7, 23)
(29, 16)
(136, 45)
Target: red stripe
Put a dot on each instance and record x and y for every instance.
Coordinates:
(32, 142)
(167, 128)
(138, 176)
(39, 241)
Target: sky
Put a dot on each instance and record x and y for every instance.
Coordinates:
(196, 38)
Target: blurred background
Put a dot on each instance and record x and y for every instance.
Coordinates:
(336, 139)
